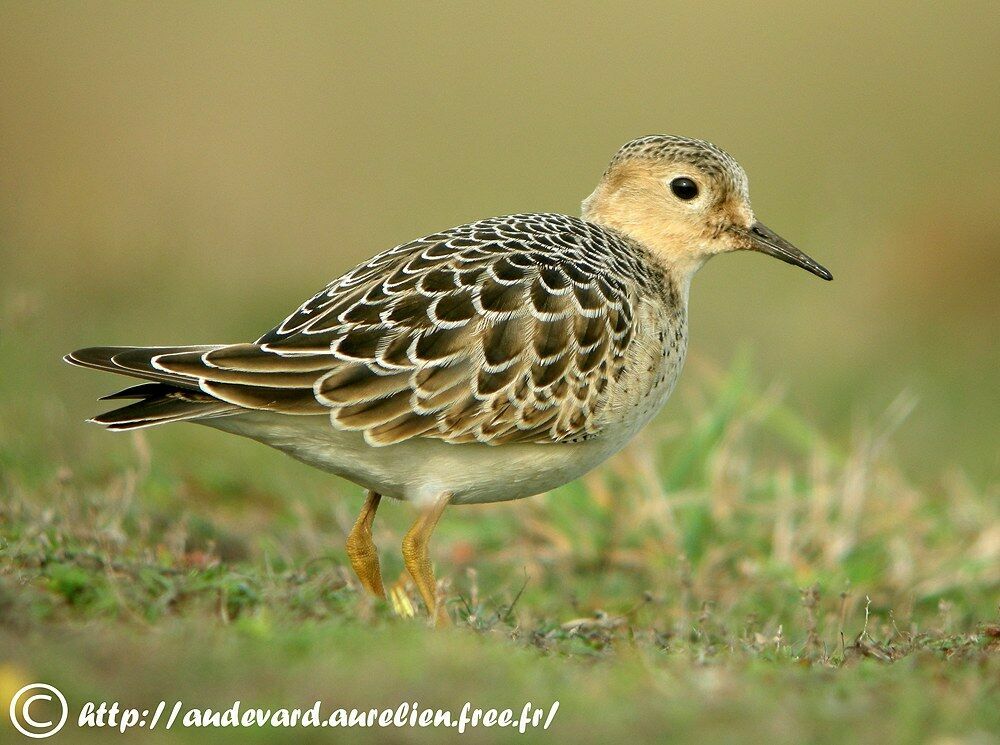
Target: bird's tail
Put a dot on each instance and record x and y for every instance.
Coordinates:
(169, 398)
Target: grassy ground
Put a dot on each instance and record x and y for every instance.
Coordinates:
(733, 575)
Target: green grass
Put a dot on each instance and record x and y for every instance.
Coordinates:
(732, 575)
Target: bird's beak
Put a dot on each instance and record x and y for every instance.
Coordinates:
(765, 240)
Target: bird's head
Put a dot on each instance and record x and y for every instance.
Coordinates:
(686, 200)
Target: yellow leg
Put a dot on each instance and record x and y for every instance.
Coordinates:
(361, 549)
(418, 561)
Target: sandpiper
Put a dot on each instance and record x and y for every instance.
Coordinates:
(491, 361)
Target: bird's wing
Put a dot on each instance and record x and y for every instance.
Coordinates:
(505, 330)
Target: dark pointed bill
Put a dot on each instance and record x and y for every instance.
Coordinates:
(765, 240)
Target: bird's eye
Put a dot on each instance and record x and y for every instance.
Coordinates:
(684, 188)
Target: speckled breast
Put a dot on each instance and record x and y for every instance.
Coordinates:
(654, 362)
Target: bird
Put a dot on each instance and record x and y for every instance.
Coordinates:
(488, 362)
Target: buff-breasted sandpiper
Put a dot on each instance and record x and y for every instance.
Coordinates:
(491, 361)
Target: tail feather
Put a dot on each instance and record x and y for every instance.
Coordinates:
(135, 361)
(174, 406)
(143, 390)
(171, 398)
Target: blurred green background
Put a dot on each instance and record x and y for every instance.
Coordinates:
(188, 172)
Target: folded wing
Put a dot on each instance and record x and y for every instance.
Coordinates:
(506, 330)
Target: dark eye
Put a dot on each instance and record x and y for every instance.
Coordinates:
(684, 188)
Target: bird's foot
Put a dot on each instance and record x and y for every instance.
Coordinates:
(402, 606)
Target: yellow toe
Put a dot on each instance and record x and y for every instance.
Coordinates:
(401, 604)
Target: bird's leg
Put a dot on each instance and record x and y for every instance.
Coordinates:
(417, 559)
(361, 549)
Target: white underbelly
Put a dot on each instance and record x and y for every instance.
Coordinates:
(420, 469)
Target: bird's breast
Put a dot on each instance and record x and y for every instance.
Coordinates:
(652, 366)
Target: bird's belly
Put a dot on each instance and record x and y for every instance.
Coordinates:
(420, 469)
